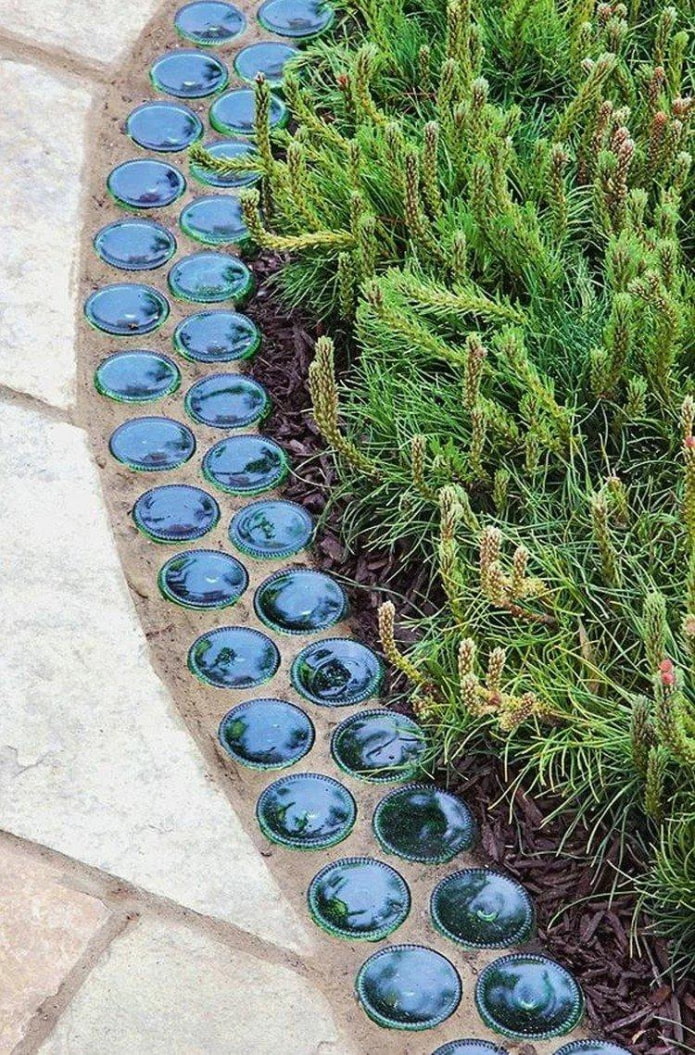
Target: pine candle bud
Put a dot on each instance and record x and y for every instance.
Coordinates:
(469, 695)
(654, 786)
(641, 734)
(490, 548)
(466, 658)
(654, 618)
(496, 585)
(500, 488)
(519, 565)
(604, 540)
(475, 357)
(617, 493)
(418, 448)
(495, 669)
(387, 619)
(449, 512)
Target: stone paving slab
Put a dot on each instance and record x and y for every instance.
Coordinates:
(41, 141)
(100, 31)
(161, 990)
(94, 761)
(45, 928)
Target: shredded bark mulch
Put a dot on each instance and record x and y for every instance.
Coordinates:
(623, 970)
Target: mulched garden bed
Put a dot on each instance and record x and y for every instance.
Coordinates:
(628, 1001)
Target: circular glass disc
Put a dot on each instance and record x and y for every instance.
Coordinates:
(137, 377)
(228, 148)
(408, 987)
(126, 309)
(307, 811)
(271, 528)
(423, 823)
(203, 578)
(145, 184)
(359, 898)
(336, 672)
(295, 18)
(163, 126)
(300, 601)
(209, 22)
(214, 220)
(217, 337)
(210, 277)
(135, 245)
(482, 909)
(233, 657)
(152, 444)
(176, 513)
(528, 997)
(268, 57)
(591, 1047)
(245, 465)
(379, 746)
(189, 74)
(267, 734)
(235, 112)
(227, 401)
(470, 1047)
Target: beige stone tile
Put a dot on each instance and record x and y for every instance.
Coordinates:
(41, 142)
(97, 31)
(45, 928)
(162, 990)
(94, 760)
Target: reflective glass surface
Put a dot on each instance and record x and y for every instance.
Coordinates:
(235, 112)
(209, 22)
(337, 671)
(528, 997)
(217, 337)
(227, 401)
(271, 528)
(300, 601)
(135, 245)
(408, 987)
(145, 183)
(176, 513)
(482, 909)
(470, 1047)
(245, 465)
(227, 148)
(359, 898)
(152, 444)
(163, 126)
(295, 18)
(268, 57)
(307, 811)
(379, 746)
(210, 277)
(136, 377)
(423, 823)
(189, 74)
(126, 309)
(214, 220)
(203, 578)
(233, 657)
(267, 734)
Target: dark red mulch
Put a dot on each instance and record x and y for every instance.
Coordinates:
(626, 1002)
